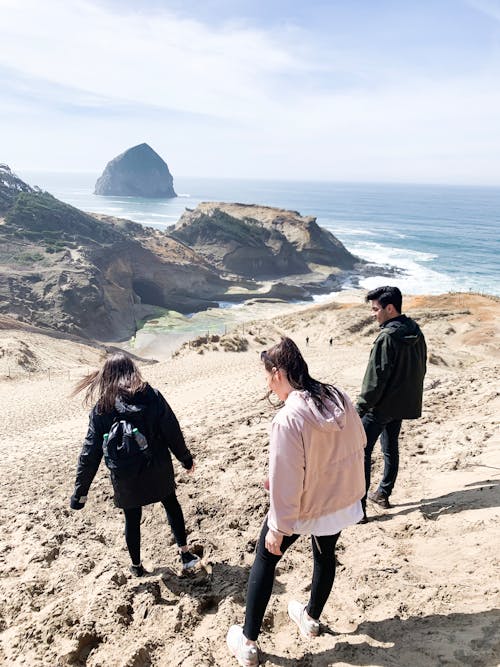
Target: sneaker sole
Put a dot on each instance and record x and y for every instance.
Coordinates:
(241, 661)
(306, 635)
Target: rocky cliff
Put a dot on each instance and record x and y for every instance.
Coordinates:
(65, 269)
(261, 242)
(97, 276)
(138, 172)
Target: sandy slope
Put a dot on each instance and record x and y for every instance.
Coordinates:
(418, 585)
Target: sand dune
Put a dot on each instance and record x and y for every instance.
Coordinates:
(417, 585)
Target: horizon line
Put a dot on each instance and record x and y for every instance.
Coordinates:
(261, 179)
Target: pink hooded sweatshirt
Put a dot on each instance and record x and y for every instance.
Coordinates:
(316, 461)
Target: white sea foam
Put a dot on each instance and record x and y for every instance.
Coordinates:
(345, 226)
(348, 231)
(416, 278)
(323, 298)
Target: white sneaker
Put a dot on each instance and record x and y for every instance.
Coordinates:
(308, 626)
(189, 560)
(247, 656)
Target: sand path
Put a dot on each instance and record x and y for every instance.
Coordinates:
(417, 585)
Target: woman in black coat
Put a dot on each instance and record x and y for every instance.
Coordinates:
(146, 477)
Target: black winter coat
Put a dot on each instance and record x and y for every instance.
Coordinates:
(150, 482)
(394, 378)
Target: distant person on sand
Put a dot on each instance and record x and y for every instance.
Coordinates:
(140, 475)
(392, 386)
(331, 341)
(307, 340)
(316, 482)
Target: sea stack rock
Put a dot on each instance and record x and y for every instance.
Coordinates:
(138, 172)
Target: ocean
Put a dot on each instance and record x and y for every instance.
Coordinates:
(444, 238)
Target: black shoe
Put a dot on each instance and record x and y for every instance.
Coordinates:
(137, 570)
(380, 499)
(364, 519)
(189, 560)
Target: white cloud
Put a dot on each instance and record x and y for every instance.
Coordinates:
(157, 59)
(231, 100)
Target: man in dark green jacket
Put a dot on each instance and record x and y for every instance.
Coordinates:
(392, 385)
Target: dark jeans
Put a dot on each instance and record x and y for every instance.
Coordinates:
(260, 582)
(388, 430)
(133, 526)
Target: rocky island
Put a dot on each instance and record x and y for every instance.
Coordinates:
(138, 172)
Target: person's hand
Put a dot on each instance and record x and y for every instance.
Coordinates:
(266, 484)
(190, 471)
(273, 542)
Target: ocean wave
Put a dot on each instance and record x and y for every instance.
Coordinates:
(348, 231)
(345, 226)
(427, 281)
(417, 276)
(379, 253)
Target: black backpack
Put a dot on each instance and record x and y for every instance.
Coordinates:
(125, 447)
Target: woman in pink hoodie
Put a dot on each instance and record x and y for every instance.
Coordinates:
(316, 482)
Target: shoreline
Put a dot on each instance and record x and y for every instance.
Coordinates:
(359, 214)
(157, 340)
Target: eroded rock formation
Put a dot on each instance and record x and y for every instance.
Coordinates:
(261, 242)
(92, 276)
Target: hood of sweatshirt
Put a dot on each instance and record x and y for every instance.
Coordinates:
(331, 418)
(133, 405)
(404, 329)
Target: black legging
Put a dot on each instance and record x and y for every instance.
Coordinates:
(133, 526)
(260, 582)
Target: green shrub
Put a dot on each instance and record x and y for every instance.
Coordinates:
(40, 215)
(29, 257)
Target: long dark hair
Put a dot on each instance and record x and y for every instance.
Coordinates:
(286, 356)
(118, 376)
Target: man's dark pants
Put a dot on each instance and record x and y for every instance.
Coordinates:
(388, 429)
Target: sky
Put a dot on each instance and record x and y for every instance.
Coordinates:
(335, 90)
